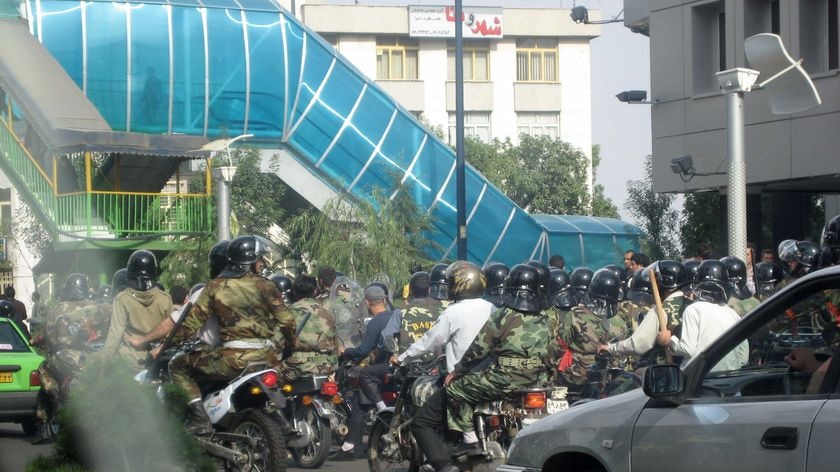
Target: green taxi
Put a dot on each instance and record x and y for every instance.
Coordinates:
(19, 380)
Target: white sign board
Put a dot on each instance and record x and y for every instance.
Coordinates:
(439, 22)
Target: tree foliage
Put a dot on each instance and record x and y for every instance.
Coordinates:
(655, 215)
(541, 175)
(700, 221)
(365, 241)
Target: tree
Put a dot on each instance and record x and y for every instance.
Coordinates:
(700, 221)
(654, 213)
(256, 204)
(541, 175)
(367, 242)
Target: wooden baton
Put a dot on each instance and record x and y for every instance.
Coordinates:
(660, 312)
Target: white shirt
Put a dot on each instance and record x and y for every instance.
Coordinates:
(456, 328)
(702, 324)
(209, 333)
(644, 337)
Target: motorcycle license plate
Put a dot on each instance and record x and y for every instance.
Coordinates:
(6, 377)
(553, 406)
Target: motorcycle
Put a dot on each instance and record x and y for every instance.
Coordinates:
(392, 445)
(605, 380)
(311, 405)
(248, 435)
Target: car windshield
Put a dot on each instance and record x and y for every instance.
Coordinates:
(11, 340)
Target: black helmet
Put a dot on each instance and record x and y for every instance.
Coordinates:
(712, 284)
(118, 281)
(737, 271)
(605, 285)
(284, 285)
(418, 284)
(806, 254)
(217, 258)
(785, 250)
(465, 280)
(829, 256)
(581, 278)
(196, 288)
(75, 288)
(7, 310)
(141, 270)
(105, 293)
(669, 274)
(561, 295)
(242, 253)
(639, 289)
(615, 269)
(495, 274)
(437, 282)
(690, 272)
(831, 233)
(545, 279)
(767, 275)
(522, 289)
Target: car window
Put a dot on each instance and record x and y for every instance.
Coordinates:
(11, 340)
(787, 353)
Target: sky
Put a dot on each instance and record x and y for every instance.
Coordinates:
(620, 61)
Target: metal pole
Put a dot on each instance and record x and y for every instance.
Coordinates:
(460, 173)
(737, 192)
(222, 209)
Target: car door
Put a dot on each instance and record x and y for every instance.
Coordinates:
(823, 453)
(758, 417)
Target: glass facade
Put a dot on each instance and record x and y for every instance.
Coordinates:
(225, 68)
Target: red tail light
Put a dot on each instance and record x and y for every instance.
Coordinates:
(535, 400)
(34, 379)
(390, 397)
(329, 388)
(269, 379)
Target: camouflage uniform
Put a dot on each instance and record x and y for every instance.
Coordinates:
(252, 317)
(643, 341)
(622, 326)
(583, 331)
(68, 338)
(136, 313)
(523, 346)
(317, 352)
(742, 307)
(420, 315)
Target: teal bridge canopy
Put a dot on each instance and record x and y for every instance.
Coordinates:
(221, 68)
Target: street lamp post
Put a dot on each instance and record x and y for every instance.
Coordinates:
(223, 175)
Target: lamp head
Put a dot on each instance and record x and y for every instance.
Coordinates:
(580, 14)
(632, 96)
(682, 165)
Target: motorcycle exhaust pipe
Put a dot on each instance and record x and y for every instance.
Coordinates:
(342, 430)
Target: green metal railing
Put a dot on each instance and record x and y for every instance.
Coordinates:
(97, 213)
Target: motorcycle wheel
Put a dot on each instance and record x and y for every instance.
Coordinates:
(410, 456)
(314, 454)
(270, 452)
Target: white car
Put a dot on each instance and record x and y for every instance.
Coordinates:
(762, 417)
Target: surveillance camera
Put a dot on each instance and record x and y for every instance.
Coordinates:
(682, 165)
(580, 14)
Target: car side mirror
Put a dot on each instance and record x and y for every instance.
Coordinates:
(663, 380)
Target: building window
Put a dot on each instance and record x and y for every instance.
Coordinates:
(762, 17)
(708, 38)
(476, 64)
(538, 124)
(396, 59)
(536, 60)
(818, 40)
(476, 125)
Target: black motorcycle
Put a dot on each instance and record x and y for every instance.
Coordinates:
(311, 410)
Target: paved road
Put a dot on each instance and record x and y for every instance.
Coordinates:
(15, 452)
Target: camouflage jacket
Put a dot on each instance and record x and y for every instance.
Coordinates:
(643, 340)
(248, 308)
(420, 315)
(318, 334)
(511, 334)
(78, 328)
(583, 331)
(626, 320)
(742, 307)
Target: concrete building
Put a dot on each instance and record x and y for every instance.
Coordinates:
(790, 159)
(525, 70)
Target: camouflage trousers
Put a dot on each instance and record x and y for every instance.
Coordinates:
(53, 372)
(476, 387)
(301, 364)
(223, 364)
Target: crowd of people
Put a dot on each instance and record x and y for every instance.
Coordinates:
(499, 328)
